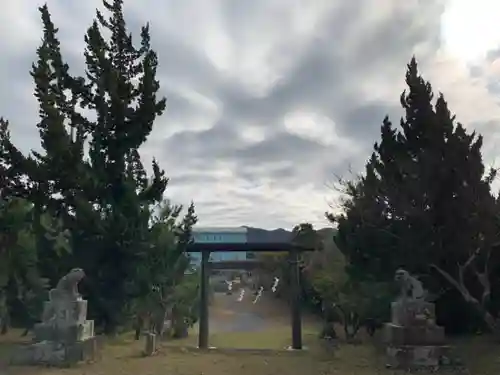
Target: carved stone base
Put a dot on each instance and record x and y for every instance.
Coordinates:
(413, 313)
(412, 356)
(68, 312)
(56, 354)
(414, 335)
(64, 334)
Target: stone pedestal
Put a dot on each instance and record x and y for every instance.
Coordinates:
(150, 347)
(411, 356)
(69, 313)
(413, 339)
(413, 335)
(412, 313)
(56, 354)
(66, 333)
(65, 338)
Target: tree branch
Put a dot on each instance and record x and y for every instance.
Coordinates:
(463, 268)
(457, 284)
(484, 279)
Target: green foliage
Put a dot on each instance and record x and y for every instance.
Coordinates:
(186, 299)
(327, 274)
(359, 301)
(342, 297)
(104, 195)
(161, 274)
(305, 235)
(276, 264)
(20, 279)
(89, 172)
(17, 243)
(424, 200)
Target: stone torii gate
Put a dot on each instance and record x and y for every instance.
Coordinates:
(295, 309)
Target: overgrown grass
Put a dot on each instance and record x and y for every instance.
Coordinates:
(122, 356)
(8, 342)
(279, 337)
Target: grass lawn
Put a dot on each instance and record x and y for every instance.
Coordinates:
(278, 337)
(122, 356)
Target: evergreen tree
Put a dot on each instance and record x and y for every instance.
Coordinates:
(164, 266)
(12, 183)
(20, 280)
(104, 194)
(424, 203)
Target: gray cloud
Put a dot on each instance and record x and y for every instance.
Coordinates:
(267, 101)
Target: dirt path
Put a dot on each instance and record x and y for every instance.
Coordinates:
(229, 315)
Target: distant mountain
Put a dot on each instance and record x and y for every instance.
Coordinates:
(259, 235)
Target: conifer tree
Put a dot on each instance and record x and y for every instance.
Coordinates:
(89, 170)
(424, 203)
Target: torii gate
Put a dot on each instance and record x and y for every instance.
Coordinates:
(295, 309)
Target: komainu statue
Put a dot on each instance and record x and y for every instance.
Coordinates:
(67, 287)
(65, 291)
(410, 287)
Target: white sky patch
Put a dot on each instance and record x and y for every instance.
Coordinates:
(254, 69)
(452, 78)
(276, 200)
(376, 88)
(203, 116)
(269, 166)
(470, 28)
(253, 134)
(260, 57)
(313, 126)
(217, 46)
(307, 15)
(207, 106)
(22, 16)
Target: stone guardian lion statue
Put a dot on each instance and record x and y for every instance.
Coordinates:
(65, 291)
(410, 287)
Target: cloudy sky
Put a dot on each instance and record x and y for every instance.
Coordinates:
(268, 100)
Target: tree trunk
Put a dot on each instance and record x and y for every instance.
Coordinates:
(181, 329)
(139, 323)
(4, 314)
(491, 321)
(179, 326)
(162, 315)
(4, 325)
(328, 331)
(351, 325)
(488, 318)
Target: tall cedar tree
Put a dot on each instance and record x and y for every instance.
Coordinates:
(104, 195)
(424, 201)
(12, 183)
